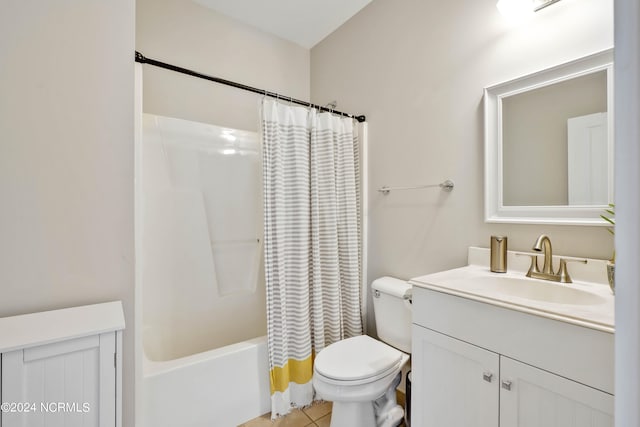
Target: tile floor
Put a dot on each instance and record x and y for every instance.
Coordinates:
(316, 415)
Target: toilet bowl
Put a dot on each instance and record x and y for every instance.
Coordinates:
(360, 374)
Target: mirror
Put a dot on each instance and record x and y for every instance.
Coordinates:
(549, 145)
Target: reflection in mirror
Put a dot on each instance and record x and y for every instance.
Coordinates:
(549, 144)
(554, 143)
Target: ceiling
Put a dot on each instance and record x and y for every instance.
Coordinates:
(304, 22)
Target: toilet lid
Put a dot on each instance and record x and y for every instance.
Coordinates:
(356, 358)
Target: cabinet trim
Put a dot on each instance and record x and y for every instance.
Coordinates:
(31, 330)
(54, 349)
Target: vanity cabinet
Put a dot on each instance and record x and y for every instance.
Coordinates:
(476, 364)
(533, 397)
(453, 383)
(62, 367)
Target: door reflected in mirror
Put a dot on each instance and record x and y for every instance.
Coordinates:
(554, 142)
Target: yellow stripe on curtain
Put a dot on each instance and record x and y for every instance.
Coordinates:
(297, 371)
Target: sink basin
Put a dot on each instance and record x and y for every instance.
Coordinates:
(538, 290)
(586, 302)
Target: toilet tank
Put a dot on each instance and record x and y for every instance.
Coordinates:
(392, 310)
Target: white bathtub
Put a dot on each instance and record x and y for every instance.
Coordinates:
(218, 388)
(201, 278)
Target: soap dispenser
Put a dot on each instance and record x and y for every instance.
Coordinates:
(498, 254)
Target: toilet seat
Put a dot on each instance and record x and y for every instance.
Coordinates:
(357, 360)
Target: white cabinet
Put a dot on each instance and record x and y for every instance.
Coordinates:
(62, 368)
(454, 384)
(478, 365)
(532, 397)
(457, 384)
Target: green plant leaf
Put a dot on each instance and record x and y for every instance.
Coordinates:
(609, 220)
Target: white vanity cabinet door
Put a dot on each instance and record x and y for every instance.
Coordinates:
(77, 373)
(531, 397)
(455, 384)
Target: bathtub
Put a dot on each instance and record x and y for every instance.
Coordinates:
(201, 277)
(217, 388)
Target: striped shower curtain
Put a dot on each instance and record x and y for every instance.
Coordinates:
(312, 238)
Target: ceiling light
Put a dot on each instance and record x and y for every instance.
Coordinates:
(541, 4)
(515, 10)
(519, 10)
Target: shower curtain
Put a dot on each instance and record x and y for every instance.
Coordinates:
(312, 242)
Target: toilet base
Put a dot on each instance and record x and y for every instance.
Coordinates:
(383, 412)
(353, 414)
(388, 412)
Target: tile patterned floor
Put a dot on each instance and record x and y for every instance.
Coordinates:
(316, 415)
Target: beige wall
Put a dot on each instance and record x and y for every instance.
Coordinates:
(66, 159)
(184, 33)
(417, 70)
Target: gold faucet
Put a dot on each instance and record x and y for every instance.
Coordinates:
(543, 244)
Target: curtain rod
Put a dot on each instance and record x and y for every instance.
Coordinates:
(144, 60)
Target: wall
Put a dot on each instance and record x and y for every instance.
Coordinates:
(627, 129)
(192, 36)
(66, 159)
(417, 70)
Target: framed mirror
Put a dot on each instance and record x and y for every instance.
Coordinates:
(549, 145)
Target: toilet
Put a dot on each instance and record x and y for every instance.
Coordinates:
(360, 374)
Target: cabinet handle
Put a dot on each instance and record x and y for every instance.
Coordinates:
(506, 384)
(487, 376)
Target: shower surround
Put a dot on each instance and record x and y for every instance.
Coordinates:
(202, 281)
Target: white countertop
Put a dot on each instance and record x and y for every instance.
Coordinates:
(470, 282)
(29, 330)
